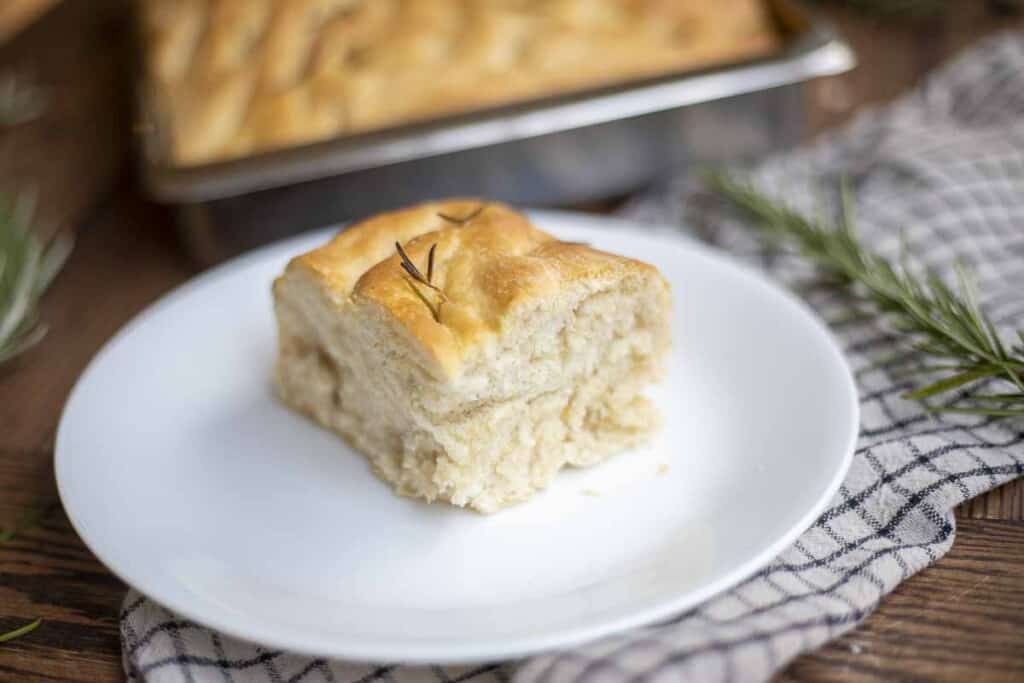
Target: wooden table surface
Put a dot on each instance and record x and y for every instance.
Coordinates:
(960, 619)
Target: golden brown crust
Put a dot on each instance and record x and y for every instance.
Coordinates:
(238, 76)
(486, 268)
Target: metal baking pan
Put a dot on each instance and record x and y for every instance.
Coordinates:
(560, 150)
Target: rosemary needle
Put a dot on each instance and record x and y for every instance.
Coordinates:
(19, 632)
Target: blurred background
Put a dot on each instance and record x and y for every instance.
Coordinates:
(88, 123)
(82, 126)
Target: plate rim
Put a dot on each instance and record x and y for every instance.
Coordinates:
(365, 650)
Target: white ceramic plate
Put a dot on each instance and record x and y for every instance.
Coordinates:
(190, 482)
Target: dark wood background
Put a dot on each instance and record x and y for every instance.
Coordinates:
(961, 619)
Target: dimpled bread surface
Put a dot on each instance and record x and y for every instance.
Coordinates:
(235, 77)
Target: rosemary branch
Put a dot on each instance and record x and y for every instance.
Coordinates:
(27, 267)
(944, 325)
(428, 281)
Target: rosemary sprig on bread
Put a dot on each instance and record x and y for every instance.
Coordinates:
(428, 281)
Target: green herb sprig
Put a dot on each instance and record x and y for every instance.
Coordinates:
(426, 280)
(27, 268)
(21, 631)
(21, 99)
(944, 325)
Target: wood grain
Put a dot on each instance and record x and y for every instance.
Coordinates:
(126, 256)
(1006, 502)
(959, 619)
(893, 56)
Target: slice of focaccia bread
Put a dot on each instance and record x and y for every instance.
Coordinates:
(474, 358)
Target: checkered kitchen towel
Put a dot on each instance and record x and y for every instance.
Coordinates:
(944, 166)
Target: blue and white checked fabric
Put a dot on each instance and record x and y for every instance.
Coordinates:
(944, 168)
